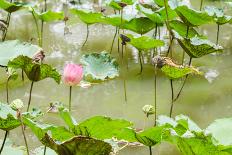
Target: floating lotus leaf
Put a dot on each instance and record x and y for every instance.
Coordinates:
(11, 7)
(155, 17)
(50, 16)
(139, 25)
(181, 29)
(13, 48)
(34, 71)
(9, 118)
(172, 70)
(218, 14)
(88, 17)
(221, 131)
(192, 17)
(150, 137)
(64, 142)
(197, 47)
(99, 67)
(144, 42)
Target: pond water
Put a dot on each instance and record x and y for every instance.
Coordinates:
(204, 99)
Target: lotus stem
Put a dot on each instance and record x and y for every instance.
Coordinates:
(70, 98)
(23, 131)
(172, 104)
(37, 29)
(22, 75)
(187, 32)
(186, 77)
(125, 92)
(87, 35)
(201, 4)
(218, 31)
(45, 149)
(7, 26)
(155, 85)
(7, 90)
(112, 45)
(42, 23)
(4, 141)
(150, 150)
(140, 61)
(169, 48)
(29, 100)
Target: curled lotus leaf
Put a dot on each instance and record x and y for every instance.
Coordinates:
(172, 70)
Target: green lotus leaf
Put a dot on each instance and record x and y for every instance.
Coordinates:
(115, 20)
(139, 25)
(106, 128)
(197, 47)
(9, 118)
(115, 4)
(172, 70)
(13, 48)
(221, 131)
(150, 137)
(218, 14)
(34, 71)
(88, 17)
(50, 16)
(64, 142)
(192, 17)
(11, 7)
(144, 42)
(171, 13)
(155, 17)
(181, 29)
(99, 67)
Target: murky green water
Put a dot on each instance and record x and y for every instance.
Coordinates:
(202, 100)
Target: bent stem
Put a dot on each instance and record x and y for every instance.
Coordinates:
(23, 131)
(29, 100)
(186, 77)
(4, 141)
(112, 45)
(218, 31)
(172, 104)
(87, 35)
(70, 98)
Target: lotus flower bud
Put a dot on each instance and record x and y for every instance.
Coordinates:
(149, 110)
(17, 104)
(72, 74)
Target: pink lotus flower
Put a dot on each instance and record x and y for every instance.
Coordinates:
(73, 74)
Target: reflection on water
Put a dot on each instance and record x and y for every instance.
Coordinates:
(203, 100)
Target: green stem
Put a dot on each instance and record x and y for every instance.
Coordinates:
(218, 31)
(37, 29)
(155, 85)
(141, 63)
(187, 32)
(70, 98)
(45, 149)
(172, 104)
(87, 35)
(7, 90)
(29, 100)
(125, 88)
(169, 48)
(112, 45)
(22, 75)
(24, 135)
(186, 77)
(4, 141)
(201, 5)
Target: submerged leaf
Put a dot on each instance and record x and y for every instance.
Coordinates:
(88, 17)
(172, 70)
(13, 48)
(34, 71)
(99, 67)
(197, 47)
